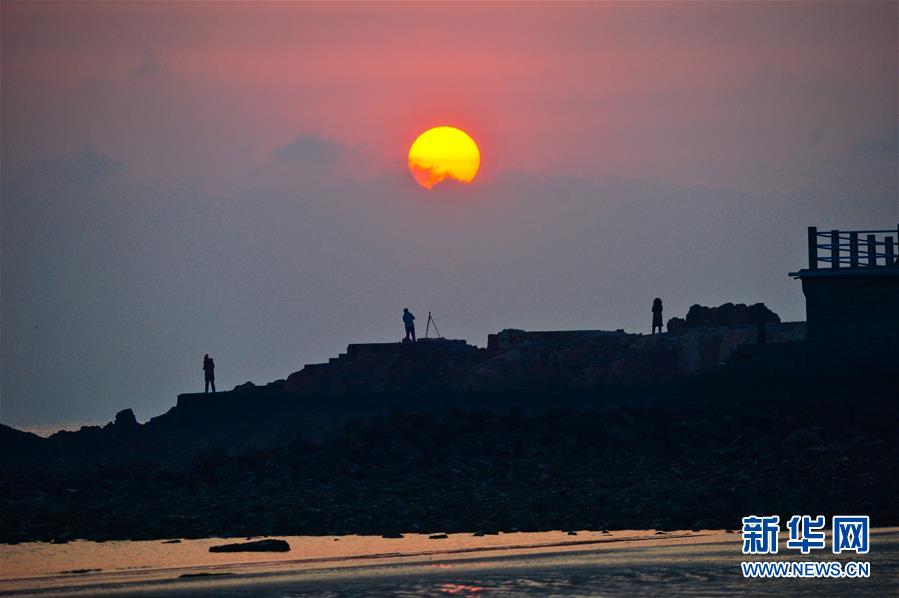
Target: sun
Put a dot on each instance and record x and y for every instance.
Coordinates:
(444, 153)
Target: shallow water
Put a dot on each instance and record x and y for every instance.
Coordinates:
(547, 563)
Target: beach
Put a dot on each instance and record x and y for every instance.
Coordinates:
(625, 562)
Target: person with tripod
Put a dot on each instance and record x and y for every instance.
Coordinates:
(409, 323)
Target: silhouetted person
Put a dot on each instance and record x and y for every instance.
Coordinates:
(656, 315)
(409, 323)
(209, 372)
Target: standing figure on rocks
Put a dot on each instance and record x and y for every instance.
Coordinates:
(656, 315)
(209, 371)
(409, 323)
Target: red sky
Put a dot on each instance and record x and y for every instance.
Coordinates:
(738, 94)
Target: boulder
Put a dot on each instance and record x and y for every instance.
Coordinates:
(677, 325)
(125, 419)
(729, 314)
(256, 546)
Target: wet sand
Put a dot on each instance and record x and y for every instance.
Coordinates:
(589, 563)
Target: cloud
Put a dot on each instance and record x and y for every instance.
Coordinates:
(886, 146)
(148, 66)
(429, 176)
(310, 150)
(84, 168)
(815, 137)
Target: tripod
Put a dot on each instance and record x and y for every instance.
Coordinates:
(428, 326)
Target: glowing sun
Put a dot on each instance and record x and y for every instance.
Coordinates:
(444, 153)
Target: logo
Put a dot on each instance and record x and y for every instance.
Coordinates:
(849, 533)
(760, 534)
(806, 534)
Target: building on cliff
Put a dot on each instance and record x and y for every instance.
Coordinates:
(851, 285)
(851, 288)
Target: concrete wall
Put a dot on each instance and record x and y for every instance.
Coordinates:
(851, 306)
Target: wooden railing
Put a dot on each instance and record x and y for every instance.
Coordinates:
(852, 249)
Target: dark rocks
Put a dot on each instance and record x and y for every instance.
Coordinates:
(427, 365)
(255, 546)
(519, 361)
(520, 369)
(804, 438)
(171, 541)
(392, 535)
(676, 325)
(633, 439)
(12, 440)
(438, 537)
(125, 419)
(729, 314)
(703, 457)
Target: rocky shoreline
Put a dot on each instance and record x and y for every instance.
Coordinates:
(550, 430)
(702, 460)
